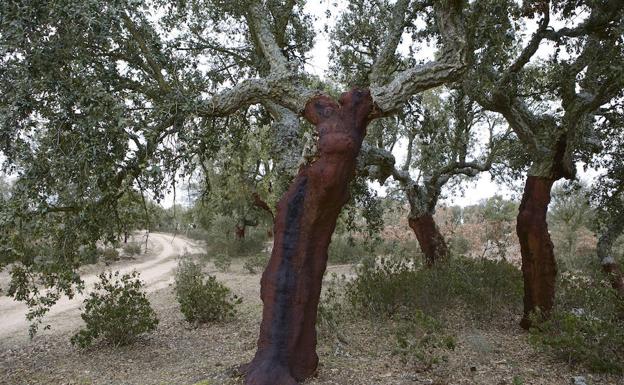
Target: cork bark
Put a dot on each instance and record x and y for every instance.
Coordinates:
(305, 220)
(429, 238)
(539, 268)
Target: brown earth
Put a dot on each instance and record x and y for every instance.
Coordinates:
(177, 353)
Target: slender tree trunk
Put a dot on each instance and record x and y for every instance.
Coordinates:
(605, 253)
(306, 218)
(240, 232)
(429, 238)
(539, 267)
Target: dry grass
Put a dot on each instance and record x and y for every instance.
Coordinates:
(179, 354)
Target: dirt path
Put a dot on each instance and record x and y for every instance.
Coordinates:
(156, 268)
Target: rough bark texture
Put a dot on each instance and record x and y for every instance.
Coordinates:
(430, 239)
(305, 220)
(539, 268)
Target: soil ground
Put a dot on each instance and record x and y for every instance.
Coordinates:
(178, 353)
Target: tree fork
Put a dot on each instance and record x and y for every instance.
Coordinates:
(539, 268)
(305, 221)
(429, 238)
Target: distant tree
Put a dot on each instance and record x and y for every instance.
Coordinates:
(551, 104)
(608, 192)
(570, 212)
(441, 133)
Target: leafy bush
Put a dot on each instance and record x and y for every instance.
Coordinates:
(117, 311)
(331, 308)
(484, 288)
(344, 249)
(255, 263)
(132, 248)
(222, 238)
(202, 300)
(401, 250)
(88, 254)
(586, 325)
(222, 262)
(109, 254)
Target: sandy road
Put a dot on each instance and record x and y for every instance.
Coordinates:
(156, 268)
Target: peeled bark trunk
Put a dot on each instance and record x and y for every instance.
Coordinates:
(607, 260)
(539, 267)
(305, 220)
(429, 238)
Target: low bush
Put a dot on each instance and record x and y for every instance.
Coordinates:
(483, 288)
(221, 238)
(586, 326)
(255, 263)
(331, 309)
(222, 262)
(117, 311)
(109, 254)
(132, 248)
(344, 249)
(202, 300)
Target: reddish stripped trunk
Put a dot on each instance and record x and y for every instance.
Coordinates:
(430, 239)
(305, 220)
(539, 268)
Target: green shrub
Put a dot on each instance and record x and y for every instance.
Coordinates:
(88, 254)
(109, 254)
(202, 300)
(221, 238)
(132, 248)
(222, 262)
(331, 308)
(586, 325)
(255, 263)
(116, 311)
(344, 249)
(401, 250)
(483, 288)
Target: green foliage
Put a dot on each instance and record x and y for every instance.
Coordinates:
(585, 328)
(202, 299)
(222, 262)
(331, 310)
(109, 254)
(569, 218)
(132, 248)
(482, 288)
(117, 311)
(344, 249)
(222, 239)
(255, 263)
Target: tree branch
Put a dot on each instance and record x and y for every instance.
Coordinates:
(382, 67)
(154, 66)
(450, 66)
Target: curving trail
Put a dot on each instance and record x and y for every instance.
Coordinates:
(156, 268)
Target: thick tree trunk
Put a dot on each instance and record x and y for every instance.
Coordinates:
(429, 238)
(607, 260)
(539, 268)
(305, 220)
